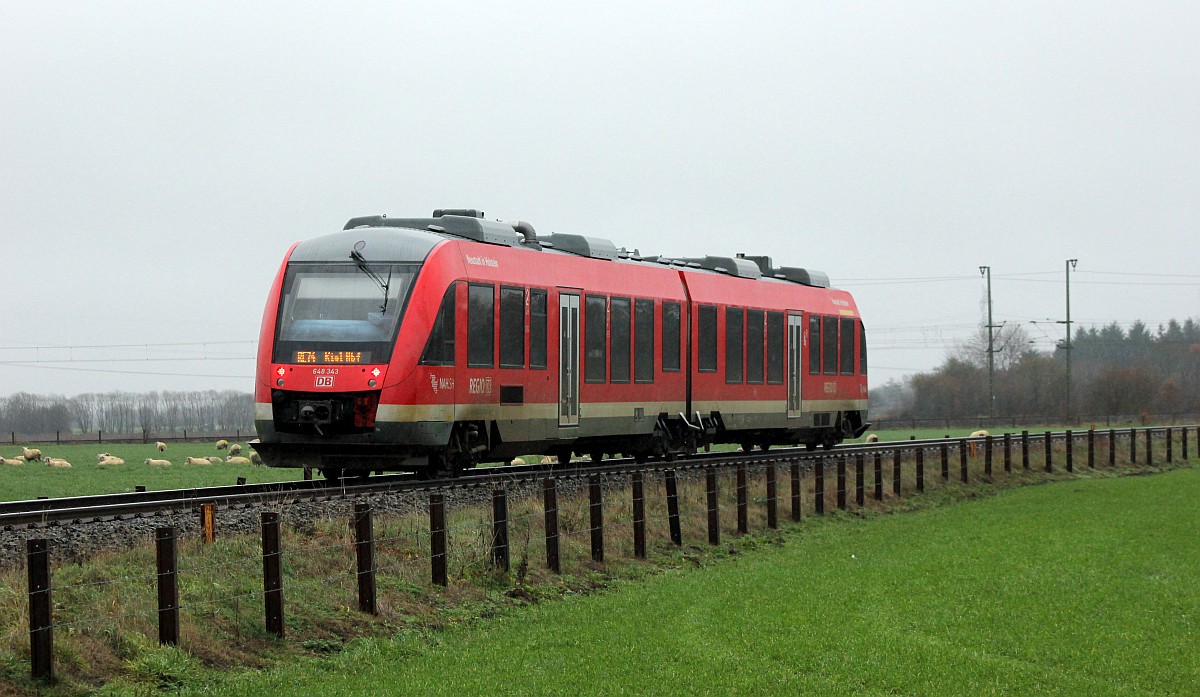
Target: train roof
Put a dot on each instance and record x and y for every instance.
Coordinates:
(470, 224)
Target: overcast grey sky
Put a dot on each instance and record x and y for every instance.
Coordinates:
(157, 159)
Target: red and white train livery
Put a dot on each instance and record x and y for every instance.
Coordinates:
(437, 343)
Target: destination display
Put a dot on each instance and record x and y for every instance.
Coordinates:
(333, 357)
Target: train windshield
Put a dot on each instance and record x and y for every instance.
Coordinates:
(338, 314)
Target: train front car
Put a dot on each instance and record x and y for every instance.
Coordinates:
(331, 335)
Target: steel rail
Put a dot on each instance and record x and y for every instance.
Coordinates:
(103, 507)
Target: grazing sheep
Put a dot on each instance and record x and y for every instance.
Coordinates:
(157, 463)
(235, 449)
(112, 460)
(101, 456)
(517, 461)
(872, 438)
(222, 444)
(214, 459)
(237, 460)
(31, 454)
(57, 462)
(197, 461)
(255, 457)
(162, 447)
(14, 461)
(979, 434)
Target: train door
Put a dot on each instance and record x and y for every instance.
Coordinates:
(795, 364)
(568, 358)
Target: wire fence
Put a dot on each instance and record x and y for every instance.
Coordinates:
(236, 584)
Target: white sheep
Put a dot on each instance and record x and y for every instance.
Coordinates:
(222, 444)
(112, 460)
(255, 457)
(237, 460)
(162, 447)
(979, 434)
(31, 454)
(214, 459)
(517, 461)
(872, 438)
(14, 461)
(235, 449)
(101, 456)
(157, 463)
(57, 463)
(197, 461)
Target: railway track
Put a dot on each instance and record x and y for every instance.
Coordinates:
(17, 515)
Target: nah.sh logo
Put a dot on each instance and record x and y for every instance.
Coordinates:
(324, 381)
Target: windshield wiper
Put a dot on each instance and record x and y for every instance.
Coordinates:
(361, 262)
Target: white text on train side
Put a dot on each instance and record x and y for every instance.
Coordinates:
(480, 386)
(482, 261)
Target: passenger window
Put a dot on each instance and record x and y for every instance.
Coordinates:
(537, 328)
(619, 340)
(708, 339)
(643, 341)
(439, 350)
(829, 345)
(862, 348)
(754, 346)
(847, 347)
(512, 327)
(734, 344)
(595, 321)
(775, 349)
(814, 344)
(481, 339)
(672, 315)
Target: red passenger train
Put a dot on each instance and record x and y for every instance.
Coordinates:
(433, 344)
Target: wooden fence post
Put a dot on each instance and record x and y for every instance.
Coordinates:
(743, 504)
(272, 573)
(166, 559)
(1170, 437)
(878, 462)
(1007, 452)
(860, 498)
(714, 512)
(1024, 449)
(1149, 446)
(896, 472)
(1070, 451)
(1183, 445)
(364, 554)
(962, 460)
(550, 507)
(1049, 456)
(437, 539)
(208, 522)
(500, 530)
(841, 483)
(819, 486)
(596, 508)
(1092, 448)
(1133, 446)
(795, 491)
(1112, 447)
(41, 627)
(673, 508)
(987, 456)
(945, 462)
(639, 515)
(920, 469)
(772, 503)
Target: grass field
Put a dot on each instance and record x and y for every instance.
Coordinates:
(1077, 587)
(29, 481)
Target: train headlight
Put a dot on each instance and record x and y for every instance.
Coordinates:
(279, 382)
(371, 383)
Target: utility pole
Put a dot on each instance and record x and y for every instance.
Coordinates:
(1067, 346)
(986, 271)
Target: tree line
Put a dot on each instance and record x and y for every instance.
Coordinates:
(128, 412)
(1114, 371)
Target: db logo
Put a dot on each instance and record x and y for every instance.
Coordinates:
(324, 381)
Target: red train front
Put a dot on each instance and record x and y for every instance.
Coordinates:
(436, 343)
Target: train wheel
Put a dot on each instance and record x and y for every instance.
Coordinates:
(331, 474)
(810, 446)
(596, 457)
(563, 456)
